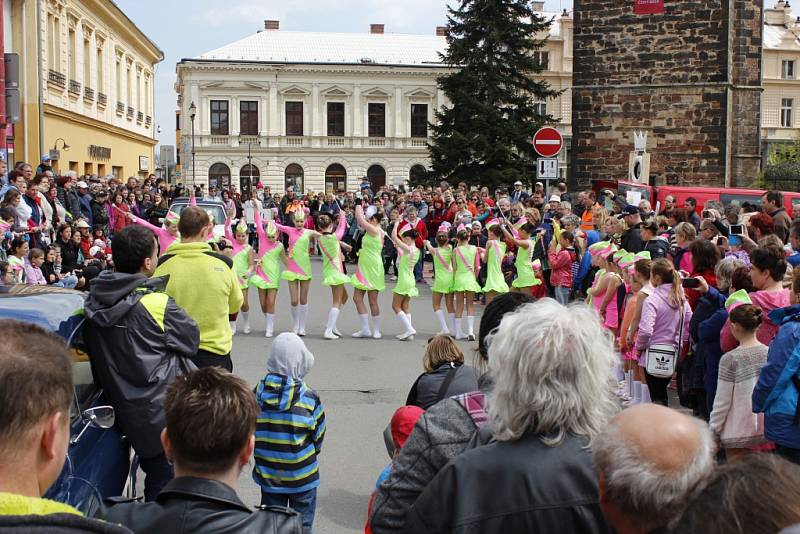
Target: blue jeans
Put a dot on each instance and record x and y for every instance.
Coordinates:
(562, 294)
(418, 266)
(68, 282)
(303, 503)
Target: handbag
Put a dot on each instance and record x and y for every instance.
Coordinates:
(662, 358)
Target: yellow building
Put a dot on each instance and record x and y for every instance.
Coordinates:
(86, 82)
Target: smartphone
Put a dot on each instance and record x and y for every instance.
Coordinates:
(737, 229)
(690, 283)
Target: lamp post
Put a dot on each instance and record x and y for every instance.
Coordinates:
(249, 163)
(192, 115)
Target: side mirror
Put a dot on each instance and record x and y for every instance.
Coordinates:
(99, 417)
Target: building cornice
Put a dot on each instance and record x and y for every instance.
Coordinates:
(61, 113)
(200, 65)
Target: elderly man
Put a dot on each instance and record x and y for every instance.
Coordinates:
(669, 204)
(550, 366)
(648, 460)
(417, 202)
(519, 194)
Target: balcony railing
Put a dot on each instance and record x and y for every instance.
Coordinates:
(56, 79)
(74, 87)
(130, 112)
(419, 142)
(219, 140)
(148, 121)
(245, 140)
(139, 117)
(294, 141)
(88, 94)
(377, 141)
(120, 108)
(335, 141)
(102, 100)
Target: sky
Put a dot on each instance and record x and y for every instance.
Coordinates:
(188, 28)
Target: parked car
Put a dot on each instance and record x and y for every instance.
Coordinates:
(726, 195)
(215, 210)
(98, 460)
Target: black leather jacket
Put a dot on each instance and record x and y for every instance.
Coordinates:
(516, 486)
(198, 505)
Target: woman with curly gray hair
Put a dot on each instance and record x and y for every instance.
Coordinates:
(552, 370)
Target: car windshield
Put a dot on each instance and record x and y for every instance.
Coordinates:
(622, 190)
(739, 199)
(215, 211)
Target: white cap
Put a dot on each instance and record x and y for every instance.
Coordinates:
(82, 185)
(555, 198)
(517, 183)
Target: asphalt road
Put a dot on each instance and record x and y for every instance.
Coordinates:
(361, 383)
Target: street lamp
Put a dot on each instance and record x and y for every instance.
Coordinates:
(192, 115)
(250, 162)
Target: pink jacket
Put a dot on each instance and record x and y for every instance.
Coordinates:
(660, 320)
(34, 275)
(561, 267)
(767, 301)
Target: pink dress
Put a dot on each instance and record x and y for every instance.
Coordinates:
(612, 313)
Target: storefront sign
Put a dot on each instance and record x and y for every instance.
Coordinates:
(648, 7)
(99, 152)
(144, 163)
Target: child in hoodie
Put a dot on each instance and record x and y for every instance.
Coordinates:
(561, 266)
(289, 430)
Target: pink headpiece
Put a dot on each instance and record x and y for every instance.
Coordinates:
(493, 222)
(403, 228)
(460, 227)
(444, 228)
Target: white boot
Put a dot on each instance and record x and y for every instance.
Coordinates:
(332, 316)
(295, 319)
(233, 327)
(376, 327)
(471, 327)
(451, 322)
(365, 331)
(270, 317)
(303, 317)
(246, 317)
(442, 323)
(409, 332)
(459, 334)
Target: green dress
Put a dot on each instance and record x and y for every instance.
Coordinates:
(464, 277)
(240, 266)
(495, 281)
(369, 273)
(406, 283)
(332, 271)
(299, 253)
(526, 276)
(443, 270)
(268, 269)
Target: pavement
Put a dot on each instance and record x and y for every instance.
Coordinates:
(361, 383)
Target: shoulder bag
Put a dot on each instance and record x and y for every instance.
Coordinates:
(662, 358)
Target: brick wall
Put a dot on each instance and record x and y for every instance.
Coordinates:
(674, 76)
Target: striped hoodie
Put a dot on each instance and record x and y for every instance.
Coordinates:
(289, 434)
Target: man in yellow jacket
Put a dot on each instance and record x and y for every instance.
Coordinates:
(203, 283)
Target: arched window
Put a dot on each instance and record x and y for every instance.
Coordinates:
(335, 178)
(248, 176)
(294, 177)
(377, 177)
(219, 176)
(417, 174)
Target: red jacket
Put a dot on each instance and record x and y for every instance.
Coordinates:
(561, 267)
(422, 233)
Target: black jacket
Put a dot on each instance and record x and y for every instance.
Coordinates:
(658, 248)
(139, 340)
(632, 240)
(516, 486)
(425, 391)
(197, 505)
(57, 524)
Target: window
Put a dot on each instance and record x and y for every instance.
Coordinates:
(543, 59)
(219, 117)
(294, 119)
(787, 69)
(54, 42)
(72, 53)
(336, 119)
(248, 117)
(248, 175)
(129, 83)
(377, 177)
(335, 178)
(294, 177)
(417, 174)
(100, 69)
(540, 108)
(119, 81)
(786, 112)
(138, 91)
(87, 63)
(219, 176)
(419, 120)
(376, 117)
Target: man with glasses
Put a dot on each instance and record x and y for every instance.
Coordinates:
(519, 194)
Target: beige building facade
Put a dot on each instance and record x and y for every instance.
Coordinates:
(86, 86)
(322, 110)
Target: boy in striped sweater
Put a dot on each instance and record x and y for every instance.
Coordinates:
(289, 430)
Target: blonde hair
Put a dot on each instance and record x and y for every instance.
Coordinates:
(668, 275)
(441, 349)
(686, 230)
(599, 218)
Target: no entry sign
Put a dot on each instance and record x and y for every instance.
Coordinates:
(648, 7)
(548, 142)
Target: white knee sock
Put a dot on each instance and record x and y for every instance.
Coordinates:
(470, 325)
(405, 320)
(458, 331)
(376, 324)
(645, 393)
(295, 316)
(270, 322)
(303, 316)
(332, 316)
(637, 392)
(246, 317)
(451, 322)
(442, 321)
(233, 326)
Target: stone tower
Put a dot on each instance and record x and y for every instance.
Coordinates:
(690, 77)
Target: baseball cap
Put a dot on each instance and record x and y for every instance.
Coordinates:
(517, 183)
(45, 157)
(83, 224)
(555, 198)
(630, 210)
(82, 185)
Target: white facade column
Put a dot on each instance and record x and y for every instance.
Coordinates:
(273, 115)
(263, 126)
(233, 117)
(358, 124)
(316, 116)
(399, 123)
(204, 116)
